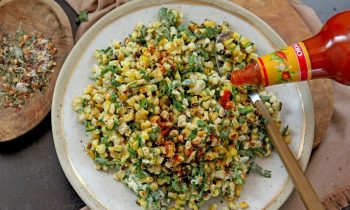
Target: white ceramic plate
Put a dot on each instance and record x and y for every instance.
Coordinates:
(98, 189)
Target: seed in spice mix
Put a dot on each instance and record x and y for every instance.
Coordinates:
(26, 62)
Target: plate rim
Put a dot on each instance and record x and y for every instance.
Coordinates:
(56, 118)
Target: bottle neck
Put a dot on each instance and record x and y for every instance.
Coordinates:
(318, 57)
(250, 75)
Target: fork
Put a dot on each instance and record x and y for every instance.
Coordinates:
(301, 183)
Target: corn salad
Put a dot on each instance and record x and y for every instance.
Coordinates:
(173, 130)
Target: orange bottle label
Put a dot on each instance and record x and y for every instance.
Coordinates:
(291, 64)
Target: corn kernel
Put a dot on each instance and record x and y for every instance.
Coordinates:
(89, 89)
(288, 139)
(147, 180)
(209, 23)
(101, 149)
(228, 42)
(117, 45)
(135, 145)
(213, 207)
(180, 202)
(104, 155)
(154, 186)
(236, 36)
(244, 42)
(143, 203)
(182, 196)
(233, 152)
(243, 205)
(172, 195)
(91, 154)
(163, 41)
(94, 143)
(231, 46)
(104, 59)
(236, 51)
(232, 205)
(238, 190)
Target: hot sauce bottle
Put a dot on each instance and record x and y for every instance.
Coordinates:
(325, 55)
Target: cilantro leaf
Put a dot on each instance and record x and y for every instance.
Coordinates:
(144, 103)
(82, 17)
(210, 33)
(246, 110)
(167, 16)
(254, 167)
(285, 130)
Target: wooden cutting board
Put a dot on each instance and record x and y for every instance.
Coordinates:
(44, 16)
(282, 17)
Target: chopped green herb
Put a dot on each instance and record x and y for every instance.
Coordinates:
(254, 167)
(167, 16)
(132, 152)
(265, 98)
(104, 140)
(178, 106)
(145, 75)
(116, 124)
(285, 130)
(241, 120)
(139, 140)
(210, 33)
(239, 180)
(194, 63)
(83, 104)
(113, 97)
(193, 134)
(103, 161)
(154, 134)
(88, 126)
(82, 17)
(115, 83)
(141, 174)
(246, 110)
(224, 134)
(144, 103)
(234, 94)
(135, 126)
(201, 123)
(118, 104)
(109, 68)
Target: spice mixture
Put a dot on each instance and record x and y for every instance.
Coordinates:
(26, 62)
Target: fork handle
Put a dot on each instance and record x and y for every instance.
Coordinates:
(301, 183)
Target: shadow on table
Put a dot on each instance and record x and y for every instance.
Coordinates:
(27, 139)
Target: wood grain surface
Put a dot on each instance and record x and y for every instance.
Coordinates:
(44, 16)
(281, 16)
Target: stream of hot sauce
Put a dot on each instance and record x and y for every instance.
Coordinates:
(225, 101)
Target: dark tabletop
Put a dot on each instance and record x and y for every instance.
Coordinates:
(30, 174)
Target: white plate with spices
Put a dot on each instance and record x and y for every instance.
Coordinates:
(97, 188)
